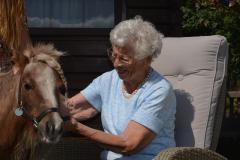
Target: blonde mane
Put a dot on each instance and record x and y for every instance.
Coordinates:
(48, 54)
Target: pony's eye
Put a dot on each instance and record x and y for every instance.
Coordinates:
(27, 86)
(62, 89)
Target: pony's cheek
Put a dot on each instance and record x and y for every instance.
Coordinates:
(64, 111)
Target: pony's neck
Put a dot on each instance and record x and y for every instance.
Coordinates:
(8, 96)
(15, 132)
(9, 123)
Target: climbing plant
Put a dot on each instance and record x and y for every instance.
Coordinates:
(209, 17)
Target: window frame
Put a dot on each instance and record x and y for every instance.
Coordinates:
(119, 15)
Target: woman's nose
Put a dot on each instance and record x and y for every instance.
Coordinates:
(117, 63)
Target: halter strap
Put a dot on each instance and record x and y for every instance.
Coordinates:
(37, 120)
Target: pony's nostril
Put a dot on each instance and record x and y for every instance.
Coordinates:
(50, 127)
(53, 129)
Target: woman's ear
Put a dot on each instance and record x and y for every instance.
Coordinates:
(149, 60)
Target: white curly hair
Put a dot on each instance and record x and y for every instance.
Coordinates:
(141, 35)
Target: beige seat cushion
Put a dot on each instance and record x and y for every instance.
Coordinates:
(196, 67)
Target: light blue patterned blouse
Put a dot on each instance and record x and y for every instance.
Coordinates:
(153, 106)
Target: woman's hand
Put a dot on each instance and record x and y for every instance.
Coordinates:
(71, 125)
(83, 113)
(76, 101)
(77, 107)
(67, 106)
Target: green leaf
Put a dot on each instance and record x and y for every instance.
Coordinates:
(203, 17)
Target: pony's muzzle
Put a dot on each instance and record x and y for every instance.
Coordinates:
(54, 129)
(51, 128)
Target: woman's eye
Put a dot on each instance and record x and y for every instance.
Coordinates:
(124, 59)
(28, 86)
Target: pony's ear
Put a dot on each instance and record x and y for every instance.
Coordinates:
(28, 53)
(22, 60)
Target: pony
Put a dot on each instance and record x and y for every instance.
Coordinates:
(29, 103)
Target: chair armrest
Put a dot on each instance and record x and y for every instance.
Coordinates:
(188, 153)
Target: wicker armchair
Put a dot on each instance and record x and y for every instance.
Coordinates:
(188, 153)
(197, 67)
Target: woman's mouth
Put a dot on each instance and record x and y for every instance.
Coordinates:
(121, 73)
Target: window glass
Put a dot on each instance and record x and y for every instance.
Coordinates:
(70, 13)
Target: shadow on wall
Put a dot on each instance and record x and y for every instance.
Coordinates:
(184, 117)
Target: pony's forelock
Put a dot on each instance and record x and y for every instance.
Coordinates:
(47, 49)
(48, 54)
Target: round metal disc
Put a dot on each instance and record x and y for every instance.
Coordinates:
(19, 111)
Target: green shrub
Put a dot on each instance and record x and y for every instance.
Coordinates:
(208, 17)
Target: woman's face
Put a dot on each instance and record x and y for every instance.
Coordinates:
(127, 67)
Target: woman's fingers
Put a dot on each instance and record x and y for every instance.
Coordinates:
(69, 104)
(64, 111)
(73, 111)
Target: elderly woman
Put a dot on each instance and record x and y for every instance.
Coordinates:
(137, 104)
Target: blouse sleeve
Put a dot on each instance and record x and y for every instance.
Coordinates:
(92, 94)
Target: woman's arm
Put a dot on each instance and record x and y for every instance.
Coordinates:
(78, 107)
(134, 138)
(83, 112)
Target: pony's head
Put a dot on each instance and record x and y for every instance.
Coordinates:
(41, 91)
